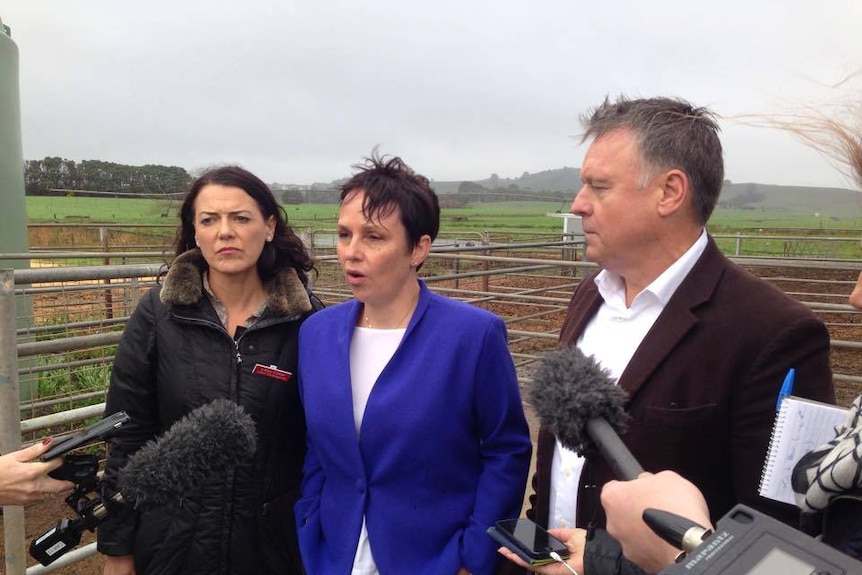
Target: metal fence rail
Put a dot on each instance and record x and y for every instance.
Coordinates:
(74, 315)
(28, 346)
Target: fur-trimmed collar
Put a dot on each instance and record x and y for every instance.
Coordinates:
(183, 285)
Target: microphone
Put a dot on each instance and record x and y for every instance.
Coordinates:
(206, 442)
(574, 397)
(679, 531)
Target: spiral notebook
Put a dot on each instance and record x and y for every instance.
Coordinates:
(801, 425)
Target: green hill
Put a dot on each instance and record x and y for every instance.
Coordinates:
(807, 200)
(825, 202)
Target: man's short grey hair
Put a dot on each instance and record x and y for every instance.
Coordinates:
(670, 133)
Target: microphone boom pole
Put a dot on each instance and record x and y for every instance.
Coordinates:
(613, 450)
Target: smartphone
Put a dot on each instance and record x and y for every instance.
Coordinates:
(84, 436)
(532, 543)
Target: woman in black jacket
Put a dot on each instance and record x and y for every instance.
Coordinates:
(231, 304)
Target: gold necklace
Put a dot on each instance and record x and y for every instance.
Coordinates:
(404, 319)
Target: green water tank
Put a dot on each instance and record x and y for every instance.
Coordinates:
(13, 207)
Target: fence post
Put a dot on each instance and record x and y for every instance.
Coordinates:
(486, 265)
(456, 268)
(109, 297)
(738, 243)
(134, 297)
(10, 419)
(307, 238)
(568, 255)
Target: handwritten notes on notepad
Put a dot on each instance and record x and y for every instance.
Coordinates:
(800, 426)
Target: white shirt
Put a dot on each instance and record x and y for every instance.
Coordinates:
(370, 351)
(612, 336)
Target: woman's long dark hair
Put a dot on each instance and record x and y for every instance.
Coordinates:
(286, 248)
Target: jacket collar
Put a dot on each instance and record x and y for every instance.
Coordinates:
(183, 285)
(354, 309)
(679, 316)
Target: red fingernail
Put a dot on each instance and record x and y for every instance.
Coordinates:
(47, 440)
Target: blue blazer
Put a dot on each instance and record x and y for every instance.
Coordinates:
(442, 454)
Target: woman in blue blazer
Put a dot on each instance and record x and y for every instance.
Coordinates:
(417, 439)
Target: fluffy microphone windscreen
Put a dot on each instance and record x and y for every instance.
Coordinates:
(569, 389)
(206, 442)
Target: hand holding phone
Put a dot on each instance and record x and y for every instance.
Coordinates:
(87, 435)
(529, 541)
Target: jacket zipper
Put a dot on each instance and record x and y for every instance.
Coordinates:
(236, 341)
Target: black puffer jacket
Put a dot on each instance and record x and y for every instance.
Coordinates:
(174, 356)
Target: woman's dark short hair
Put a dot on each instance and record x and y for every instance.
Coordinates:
(388, 183)
(286, 248)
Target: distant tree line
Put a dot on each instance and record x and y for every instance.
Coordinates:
(472, 192)
(57, 176)
(468, 193)
(54, 173)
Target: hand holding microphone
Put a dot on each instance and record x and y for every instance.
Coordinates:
(625, 502)
(575, 398)
(571, 393)
(207, 442)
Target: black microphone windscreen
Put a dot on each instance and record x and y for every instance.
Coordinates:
(568, 390)
(206, 442)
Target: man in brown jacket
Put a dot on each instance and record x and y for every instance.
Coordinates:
(700, 345)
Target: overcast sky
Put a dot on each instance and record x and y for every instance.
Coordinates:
(297, 92)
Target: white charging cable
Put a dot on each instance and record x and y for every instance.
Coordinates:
(556, 557)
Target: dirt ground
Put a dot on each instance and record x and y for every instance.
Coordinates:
(811, 285)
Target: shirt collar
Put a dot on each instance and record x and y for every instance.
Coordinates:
(611, 285)
(220, 309)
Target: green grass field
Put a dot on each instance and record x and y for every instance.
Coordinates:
(68, 210)
(520, 216)
(755, 219)
(480, 217)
